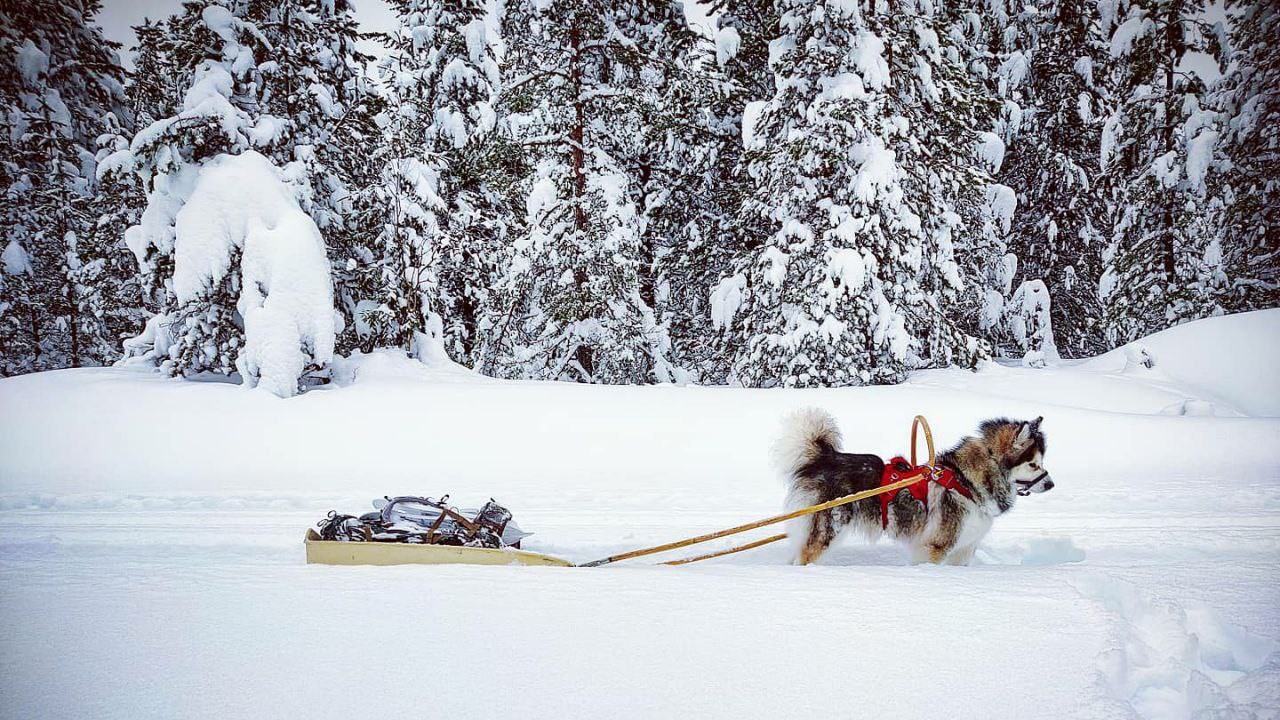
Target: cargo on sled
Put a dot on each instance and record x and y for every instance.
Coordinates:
(421, 530)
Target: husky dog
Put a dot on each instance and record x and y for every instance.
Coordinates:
(1004, 461)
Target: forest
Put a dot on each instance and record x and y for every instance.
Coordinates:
(810, 194)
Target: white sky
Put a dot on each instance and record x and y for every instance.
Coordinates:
(119, 16)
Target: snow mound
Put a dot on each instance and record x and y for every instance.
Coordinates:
(1223, 366)
(240, 206)
(395, 366)
(1229, 362)
(1051, 551)
(1035, 551)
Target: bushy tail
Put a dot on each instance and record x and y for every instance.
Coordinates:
(806, 434)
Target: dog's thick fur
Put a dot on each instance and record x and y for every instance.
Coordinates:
(991, 465)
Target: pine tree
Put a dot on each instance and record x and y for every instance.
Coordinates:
(112, 290)
(571, 304)
(443, 224)
(59, 79)
(696, 219)
(1059, 231)
(1158, 144)
(851, 286)
(154, 87)
(309, 78)
(674, 142)
(1243, 259)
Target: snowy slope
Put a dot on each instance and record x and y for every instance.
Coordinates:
(151, 563)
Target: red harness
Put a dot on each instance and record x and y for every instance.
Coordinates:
(919, 490)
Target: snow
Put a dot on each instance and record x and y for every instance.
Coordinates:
(727, 43)
(991, 150)
(726, 298)
(877, 169)
(1206, 356)
(239, 205)
(161, 573)
(220, 20)
(1002, 201)
(849, 268)
(868, 59)
(1029, 319)
(1199, 156)
(32, 63)
(1166, 169)
(1127, 32)
(1111, 130)
(844, 86)
(15, 259)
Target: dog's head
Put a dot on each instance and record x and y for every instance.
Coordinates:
(1018, 447)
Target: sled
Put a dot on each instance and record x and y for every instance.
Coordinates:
(334, 552)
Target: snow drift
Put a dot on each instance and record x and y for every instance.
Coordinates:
(1233, 359)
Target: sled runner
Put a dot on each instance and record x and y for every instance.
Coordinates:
(338, 552)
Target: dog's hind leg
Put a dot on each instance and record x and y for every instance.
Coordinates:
(817, 539)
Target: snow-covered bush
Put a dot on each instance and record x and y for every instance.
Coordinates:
(244, 253)
(226, 236)
(241, 208)
(1030, 323)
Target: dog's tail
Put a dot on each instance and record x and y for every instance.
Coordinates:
(806, 435)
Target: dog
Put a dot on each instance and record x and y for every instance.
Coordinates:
(1004, 461)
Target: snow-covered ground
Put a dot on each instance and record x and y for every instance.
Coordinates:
(151, 562)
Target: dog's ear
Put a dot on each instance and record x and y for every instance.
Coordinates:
(1024, 435)
(1035, 424)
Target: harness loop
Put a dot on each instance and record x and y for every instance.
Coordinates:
(916, 424)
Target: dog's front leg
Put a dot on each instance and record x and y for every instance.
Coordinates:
(928, 553)
(962, 556)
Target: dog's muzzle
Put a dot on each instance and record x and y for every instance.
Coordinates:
(1026, 487)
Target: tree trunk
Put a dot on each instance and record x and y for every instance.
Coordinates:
(1173, 41)
(73, 304)
(35, 336)
(577, 133)
(648, 256)
(468, 307)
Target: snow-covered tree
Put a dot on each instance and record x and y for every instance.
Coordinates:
(246, 280)
(1242, 263)
(59, 81)
(154, 87)
(1158, 144)
(863, 164)
(1059, 231)
(309, 77)
(442, 225)
(690, 215)
(571, 304)
(694, 217)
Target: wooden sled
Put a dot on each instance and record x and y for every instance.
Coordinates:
(334, 552)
